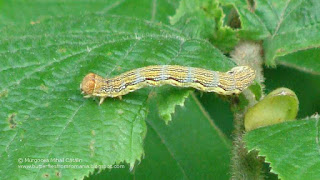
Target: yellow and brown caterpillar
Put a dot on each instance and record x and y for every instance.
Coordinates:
(225, 83)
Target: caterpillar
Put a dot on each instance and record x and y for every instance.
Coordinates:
(225, 83)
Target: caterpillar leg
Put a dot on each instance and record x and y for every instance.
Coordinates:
(101, 100)
(120, 97)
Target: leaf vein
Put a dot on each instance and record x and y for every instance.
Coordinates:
(59, 135)
(170, 152)
(41, 68)
(154, 10)
(112, 6)
(283, 17)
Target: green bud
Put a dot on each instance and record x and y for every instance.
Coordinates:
(280, 105)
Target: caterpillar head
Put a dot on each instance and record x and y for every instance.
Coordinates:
(87, 85)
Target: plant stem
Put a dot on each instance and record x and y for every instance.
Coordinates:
(245, 165)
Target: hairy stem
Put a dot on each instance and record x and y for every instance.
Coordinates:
(246, 165)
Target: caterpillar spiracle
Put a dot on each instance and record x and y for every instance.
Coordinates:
(231, 82)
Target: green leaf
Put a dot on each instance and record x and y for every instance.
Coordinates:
(34, 11)
(298, 60)
(257, 90)
(196, 24)
(285, 26)
(252, 26)
(190, 147)
(292, 148)
(44, 115)
(218, 107)
(168, 98)
(205, 19)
